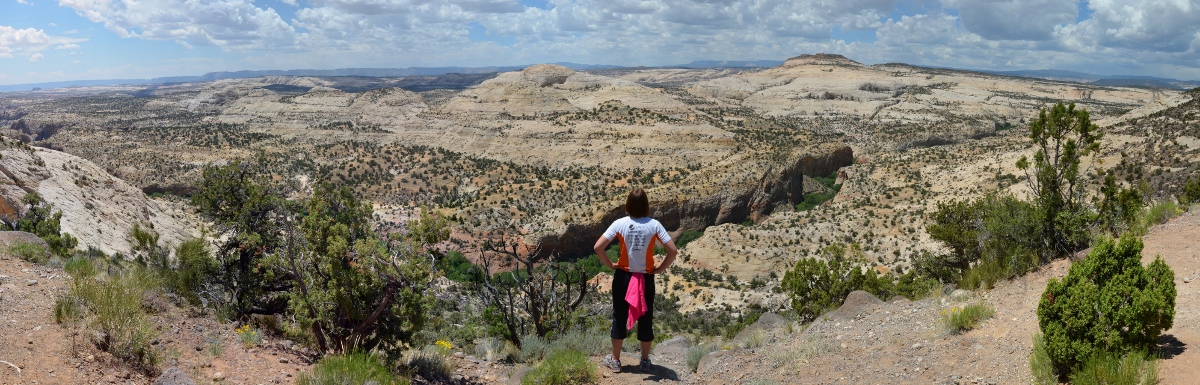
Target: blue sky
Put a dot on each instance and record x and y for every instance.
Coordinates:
(53, 40)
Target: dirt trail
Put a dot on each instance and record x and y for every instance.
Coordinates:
(29, 337)
(1178, 242)
(48, 353)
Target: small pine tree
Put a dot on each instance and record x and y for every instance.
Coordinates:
(1062, 136)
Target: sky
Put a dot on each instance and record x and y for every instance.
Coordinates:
(56, 40)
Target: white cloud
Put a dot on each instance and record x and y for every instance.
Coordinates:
(1156, 25)
(1151, 35)
(10, 36)
(228, 24)
(1015, 19)
(15, 41)
(23, 2)
(67, 46)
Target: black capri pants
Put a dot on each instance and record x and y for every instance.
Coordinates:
(645, 327)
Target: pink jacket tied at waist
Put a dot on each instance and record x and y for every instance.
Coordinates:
(636, 296)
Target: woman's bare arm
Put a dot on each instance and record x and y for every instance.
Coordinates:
(602, 244)
(672, 252)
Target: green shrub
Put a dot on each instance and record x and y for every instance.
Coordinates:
(687, 237)
(353, 290)
(1133, 368)
(999, 265)
(1118, 209)
(1191, 192)
(1157, 214)
(42, 220)
(955, 320)
(68, 308)
(1107, 304)
(496, 349)
(245, 207)
(114, 307)
(816, 285)
(567, 367)
(1040, 365)
(29, 252)
(350, 369)
(428, 362)
(915, 286)
(696, 353)
(998, 232)
(456, 267)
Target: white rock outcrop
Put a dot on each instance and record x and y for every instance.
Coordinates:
(98, 208)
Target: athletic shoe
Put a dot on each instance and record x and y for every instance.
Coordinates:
(611, 364)
(645, 365)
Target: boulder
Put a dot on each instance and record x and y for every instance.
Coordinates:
(765, 323)
(857, 303)
(711, 360)
(174, 376)
(10, 238)
(518, 375)
(674, 347)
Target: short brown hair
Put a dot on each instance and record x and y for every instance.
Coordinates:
(637, 205)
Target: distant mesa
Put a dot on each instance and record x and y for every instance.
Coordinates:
(545, 75)
(820, 59)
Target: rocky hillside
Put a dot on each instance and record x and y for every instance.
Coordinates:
(97, 208)
(547, 153)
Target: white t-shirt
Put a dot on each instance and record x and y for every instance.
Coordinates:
(637, 237)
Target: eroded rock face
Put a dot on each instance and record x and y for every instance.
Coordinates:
(98, 209)
(735, 204)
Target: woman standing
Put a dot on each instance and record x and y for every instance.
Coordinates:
(633, 274)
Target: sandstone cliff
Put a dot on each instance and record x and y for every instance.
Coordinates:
(730, 204)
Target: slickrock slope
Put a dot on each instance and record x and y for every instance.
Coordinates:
(97, 208)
